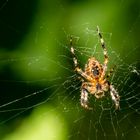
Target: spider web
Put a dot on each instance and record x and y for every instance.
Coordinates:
(58, 85)
(104, 122)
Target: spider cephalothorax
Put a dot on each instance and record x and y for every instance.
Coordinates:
(94, 77)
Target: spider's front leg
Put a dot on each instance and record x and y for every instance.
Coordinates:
(73, 53)
(76, 64)
(115, 97)
(104, 51)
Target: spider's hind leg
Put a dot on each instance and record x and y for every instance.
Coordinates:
(84, 99)
(115, 97)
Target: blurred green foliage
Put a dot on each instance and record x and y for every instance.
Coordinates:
(30, 33)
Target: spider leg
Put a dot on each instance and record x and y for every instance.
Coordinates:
(115, 97)
(73, 53)
(84, 94)
(105, 51)
(76, 64)
(110, 72)
(84, 99)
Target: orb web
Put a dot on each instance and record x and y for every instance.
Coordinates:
(60, 87)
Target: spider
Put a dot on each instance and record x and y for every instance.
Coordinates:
(94, 77)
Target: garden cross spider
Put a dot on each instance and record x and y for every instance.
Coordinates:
(94, 77)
